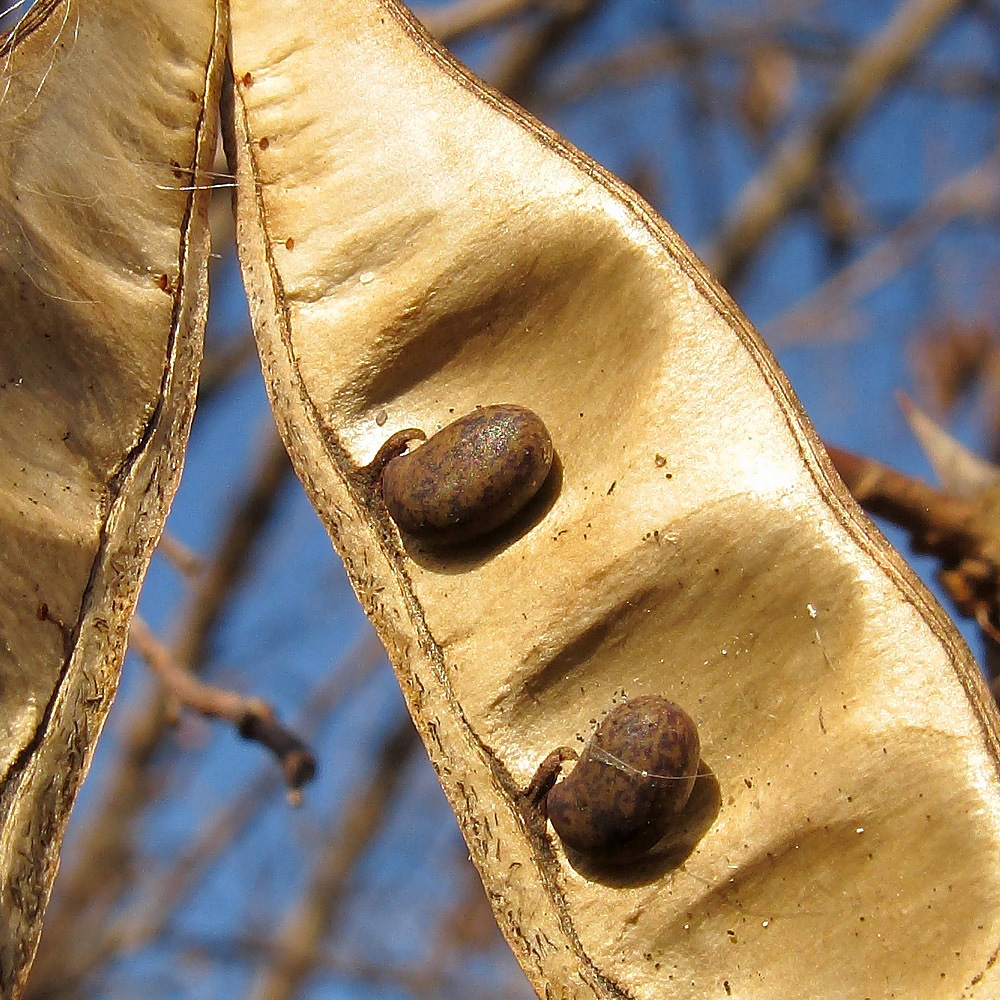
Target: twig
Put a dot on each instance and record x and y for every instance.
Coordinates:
(185, 560)
(975, 192)
(796, 162)
(361, 971)
(963, 534)
(88, 889)
(162, 895)
(940, 524)
(657, 55)
(249, 516)
(253, 718)
(299, 946)
(527, 46)
(224, 364)
(463, 17)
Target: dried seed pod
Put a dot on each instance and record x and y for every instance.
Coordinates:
(470, 477)
(632, 779)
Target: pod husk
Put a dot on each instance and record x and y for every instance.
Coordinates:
(414, 246)
(108, 116)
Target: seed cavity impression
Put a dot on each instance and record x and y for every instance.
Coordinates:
(470, 477)
(633, 778)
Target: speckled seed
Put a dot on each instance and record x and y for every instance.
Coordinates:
(470, 477)
(607, 808)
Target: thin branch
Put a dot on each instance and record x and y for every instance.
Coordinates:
(657, 55)
(464, 17)
(963, 534)
(253, 718)
(225, 570)
(796, 162)
(185, 560)
(163, 893)
(299, 947)
(224, 364)
(527, 46)
(975, 193)
(941, 524)
(367, 975)
(141, 924)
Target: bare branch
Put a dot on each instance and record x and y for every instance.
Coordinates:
(527, 46)
(973, 193)
(657, 55)
(227, 566)
(185, 560)
(963, 534)
(224, 364)
(89, 889)
(253, 718)
(161, 894)
(299, 948)
(463, 17)
(939, 523)
(796, 162)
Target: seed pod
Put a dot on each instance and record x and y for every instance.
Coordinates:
(633, 778)
(470, 477)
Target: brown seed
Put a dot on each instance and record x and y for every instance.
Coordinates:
(633, 778)
(470, 477)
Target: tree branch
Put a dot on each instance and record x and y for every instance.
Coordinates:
(253, 718)
(796, 162)
(963, 534)
(298, 947)
(976, 192)
(463, 17)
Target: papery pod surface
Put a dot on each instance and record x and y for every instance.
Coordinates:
(414, 247)
(108, 115)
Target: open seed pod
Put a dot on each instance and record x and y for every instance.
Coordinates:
(414, 247)
(109, 120)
